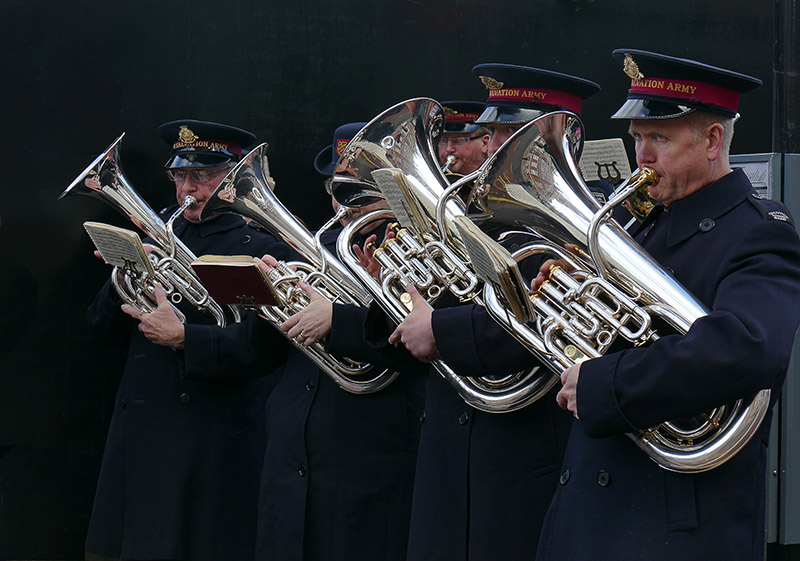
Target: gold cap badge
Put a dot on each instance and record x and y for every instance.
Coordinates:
(630, 68)
(186, 135)
(449, 112)
(491, 83)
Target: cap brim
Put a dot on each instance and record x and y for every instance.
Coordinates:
(507, 115)
(323, 163)
(354, 193)
(451, 128)
(197, 159)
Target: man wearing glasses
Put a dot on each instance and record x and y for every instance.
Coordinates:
(463, 146)
(180, 472)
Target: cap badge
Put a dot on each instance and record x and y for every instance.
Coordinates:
(449, 112)
(186, 135)
(630, 68)
(491, 83)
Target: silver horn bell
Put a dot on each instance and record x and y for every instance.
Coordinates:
(394, 157)
(171, 259)
(247, 190)
(613, 292)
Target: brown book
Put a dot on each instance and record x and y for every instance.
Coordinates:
(235, 279)
(496, 266)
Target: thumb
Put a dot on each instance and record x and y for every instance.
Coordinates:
(396, 335)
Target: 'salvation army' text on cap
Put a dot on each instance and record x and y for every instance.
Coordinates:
(519, 94)
(666, 87)
(328, 157)
(459, 116)
(203, 143)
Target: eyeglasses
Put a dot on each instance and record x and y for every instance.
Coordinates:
(197, 175)
(459, 140)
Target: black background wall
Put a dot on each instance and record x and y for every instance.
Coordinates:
(76, 74)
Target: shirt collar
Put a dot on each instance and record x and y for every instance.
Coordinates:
(710, 202)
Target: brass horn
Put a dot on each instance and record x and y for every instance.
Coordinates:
(393, 156)
(248, 190)
(171, 259)
(613, 293)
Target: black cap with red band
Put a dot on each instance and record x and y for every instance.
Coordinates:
(519, 94)
(203, 143)
(328, 157)
(666, 87)
(459, 116)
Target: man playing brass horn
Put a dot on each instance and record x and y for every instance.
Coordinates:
(339, 467)
(464, 143)
(737, 253)
(180, 471)
(484, 480)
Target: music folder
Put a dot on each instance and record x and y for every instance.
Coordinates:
(495, 265)
(120, 247)
(235, 279)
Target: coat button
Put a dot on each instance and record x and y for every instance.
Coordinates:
(302, 470)
(707, 224)
(603, 478)
(564, 477)
(422, 417)
(124, 404)
(463, 418)
(310, 385)
(246, 239)
(185, 398)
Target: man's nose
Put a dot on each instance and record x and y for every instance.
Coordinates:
(644, 154)
(189, 184)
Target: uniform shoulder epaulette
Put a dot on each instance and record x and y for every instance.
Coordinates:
(770, 209)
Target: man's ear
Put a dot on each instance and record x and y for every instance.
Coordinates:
(715, 137)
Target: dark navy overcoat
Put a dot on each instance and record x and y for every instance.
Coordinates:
(339, 468)
(484, 480)
(180, 471)
(740, 256)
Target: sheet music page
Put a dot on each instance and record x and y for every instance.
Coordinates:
(605, 160)
(119, 247)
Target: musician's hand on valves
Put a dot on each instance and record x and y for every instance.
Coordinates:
(544, 273)
(266, 263)
(365, 255)
(161, 326)
(366, 259)
(416, 332)
(567, 397)
(313, 322)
